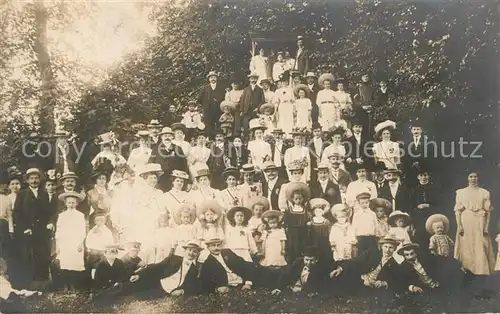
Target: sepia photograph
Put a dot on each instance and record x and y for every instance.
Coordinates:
(249, 156)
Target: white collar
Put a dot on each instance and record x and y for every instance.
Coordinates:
(323, 182)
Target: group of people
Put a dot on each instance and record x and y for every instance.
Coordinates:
(279, 189)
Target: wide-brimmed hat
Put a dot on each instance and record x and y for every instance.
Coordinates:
(298, 87)
(256, 124)
(246, 212)
(166, 130)
(106, 138)
(338, 208)
(266, 80)
(266, 106)
(210, 205)
(381, 202)
(311, 74)
(325, 76)
(398, 214)
(259, 200)
(231, 171)
(388, 240)
(184, 208)
(142, 133)
(295, 165)
(437, 218)
(213, 240)
(319, 202)
(387, 124)
(212, 73)
(278, 131)
(293, 187)
(151, 168)
(298, 131)
(155, 124)
(202, 172)
(68, 175)
(178, 126)
(269, 165)
(192, 244)
(271, 214)
(253, 74)
(337, 130)
(247, 168)
(179, 174)
(229, 104)
(423, 167)
(322, 166)
(74, 194)
(363, 165)
(379, 166)
(407, 246)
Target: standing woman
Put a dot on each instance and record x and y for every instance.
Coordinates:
(336, 146)
(177, 195)
(139, 156)
(249, 188)
(199, 153)
(204, 191)
(231, 195)
(99, 198)
(260, 150)
(298, 152)
(473, 246)
(328, 104)
(386, 151)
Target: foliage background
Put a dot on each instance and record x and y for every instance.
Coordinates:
(440, 59)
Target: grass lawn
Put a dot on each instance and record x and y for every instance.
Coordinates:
(253, 301)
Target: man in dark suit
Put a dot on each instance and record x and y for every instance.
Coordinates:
(271, 187)
(250, 101)
(417, 152)
(68, 184)
(222, 156)
(278, 149)
(307, 274)
(303, 58)
(379, 176)
(63, 154)
(316, 147)
(210, 98)
(32, 227)
(372, 269)
(394, 191)
(339, 176)
(356, 146)
(324, 187)
(169, 156)
(223, 269)
(312, 83)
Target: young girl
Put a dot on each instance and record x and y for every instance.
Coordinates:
(191, 119)
(274, 239)
(296, 170)
(238, 235)
(319, 228)
(285, 105)
(260, 150)
(226, 120)
(295, 219)
(342, 235)
(303, 107)
(184, 230)
(439, 243)
(107, 142)
(267, 116)
(164, 240)
(258, 205)
(399, 223)
(70, 237)
(210, 224)
(249, 188)
(382, 209)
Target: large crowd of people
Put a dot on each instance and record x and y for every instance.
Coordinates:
(275, 185)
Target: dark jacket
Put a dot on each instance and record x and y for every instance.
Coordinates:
(250, 101)
(170, 159)
(31, 212)
(275, 192)
(285, 146)
(344, 178)
(131, 264)
(331, 194)
(106, 275)
(355, 149)
(302, 61)
(210, 101)
(401, 199)
(316, 281)
(313, 94)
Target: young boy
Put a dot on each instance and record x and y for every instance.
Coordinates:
(364, 221)
(98, 238)
(131, 260)
(110, 270)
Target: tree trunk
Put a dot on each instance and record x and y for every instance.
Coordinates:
(47, 101)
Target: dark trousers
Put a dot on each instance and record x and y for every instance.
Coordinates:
(366, 243)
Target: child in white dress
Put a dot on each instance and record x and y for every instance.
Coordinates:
(164, 238)
(210, 224)
(238, 235)
(303, 107)
(96, 241)
(185, 230)
(258, 205)
(342, 235)
(439, 243)
(192, 120)
(268, 118)
(398, 226)
(285, 107)
(274, 239)
(70, 238)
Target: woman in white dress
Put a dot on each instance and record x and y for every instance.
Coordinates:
(343, 97)
(303, 107)
(269, 95)
(107, 143)
(177, 195)
(336, 146)
(199, 154)
(179, 130)
(328, 104)
(204, 191)
(386, 151)
(260, 150)
(249, 188)
(285, 106)
(259, 64)
(231, 195)
(298, 152)
(139, 156)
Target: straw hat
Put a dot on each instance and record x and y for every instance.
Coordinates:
(213, 240)
(154, 124)
(381, 202)
(253, 74)
(437, 218)
(32, 171)
(293, 187)
(107, 138)
(407, 246)
(166, 130)
(271, 214)
(322, 166)
(231, 171)
(68, 175)
(259, 200)
(255, 124)
(246, 212)
(388, 240)
(212, 73)
(319, 202)
(178, 126)
(151, 168)
(193, 244)
(295, 165)
(74, 194)
(398, 214)
(247, 168)
(310, 74)
(184, 208)
(202, 172)
(225, 103)
(386, 125)
(392, 170)
(179, 174)
(298, 87)
(325, 76)
(269, 165)
(266, 106)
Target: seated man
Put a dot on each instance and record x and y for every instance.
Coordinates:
(373, 269)
(305, 274)
(223, 269)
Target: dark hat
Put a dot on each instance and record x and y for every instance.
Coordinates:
(219, 131)
(285, 76)
(278, 131)
(381, 202)
(423, 168)
(52, 175)
(236, 78)
(310, 251)
(231, 171)
(356, 120)
(246, 212)
(363, 165)
(379, 166)
(316, 126)
(407, 246)
(178, 126)
(417, 123)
